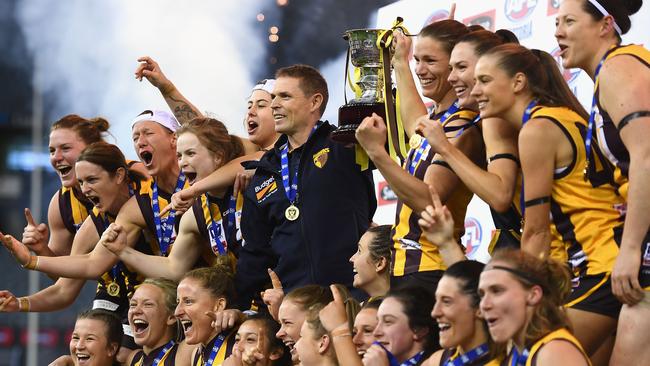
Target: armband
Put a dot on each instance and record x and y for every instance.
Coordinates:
(630, 117)
(537, 201)
(504, 156)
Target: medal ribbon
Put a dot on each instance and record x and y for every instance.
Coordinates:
(517, 358)
(164, 227)
(162, 355)
(219, 232)
(392, 361)
(215, 349)
(527, 114)
(469, 357)
(290, 188)
(592, 114)
(424, 144)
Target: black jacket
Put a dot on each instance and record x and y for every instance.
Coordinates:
(336, 201)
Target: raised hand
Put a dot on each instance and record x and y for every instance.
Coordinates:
(181, 201)
(333, 315)
(225, 319)
(35, 235)
(371, 134)
(432, 131)
(114, 239)
(8, 302)
(149, 69)
(402, 44)
(436, 221)
(273, 296)
(16, 248)
(375, 356)
(254, 355)
(242, 180)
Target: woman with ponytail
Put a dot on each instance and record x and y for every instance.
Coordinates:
(497, 183)
(68, 207)
(589, 35)
(566, 215)
(521, 301)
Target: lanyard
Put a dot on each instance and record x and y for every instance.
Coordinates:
(215, 349)
(164, 227)
(424, 144)
(218, 232)
(469, 357)
(392, 361)
(518, 359)
(592, 114)
(162, 355)
(291, 188)
(527, 114)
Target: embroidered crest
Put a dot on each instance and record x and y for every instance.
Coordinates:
(320, 158)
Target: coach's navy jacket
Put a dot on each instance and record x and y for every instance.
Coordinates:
(336, 201)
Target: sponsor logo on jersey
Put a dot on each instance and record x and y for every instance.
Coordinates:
(320, 158)
(519, 10)
(265, 189)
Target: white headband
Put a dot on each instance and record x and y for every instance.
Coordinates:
(604, 12)
(163, 118)
(266, 85)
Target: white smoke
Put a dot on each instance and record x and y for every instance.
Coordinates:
(85, 53)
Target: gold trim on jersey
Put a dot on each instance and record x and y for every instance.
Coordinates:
(558, 334)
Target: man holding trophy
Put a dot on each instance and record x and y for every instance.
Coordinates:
(309, 202)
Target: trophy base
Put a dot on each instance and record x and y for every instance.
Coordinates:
(350, 117)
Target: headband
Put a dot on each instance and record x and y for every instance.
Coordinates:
(605, 13)
(163, 118)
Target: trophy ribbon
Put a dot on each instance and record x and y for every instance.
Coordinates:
(397, 147)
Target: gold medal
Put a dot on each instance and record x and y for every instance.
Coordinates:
(415, 141)
(113, 289)
(291, 213)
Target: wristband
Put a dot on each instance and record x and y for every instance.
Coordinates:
(32, 263)
(23, 304)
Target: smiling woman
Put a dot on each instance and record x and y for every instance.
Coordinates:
(202, 293)
(96, 339)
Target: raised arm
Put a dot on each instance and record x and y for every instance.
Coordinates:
(496, 185)
(184, 253)
(182, 108)
(537, 149)
(35, 236)
(221, 178)
(411, 104)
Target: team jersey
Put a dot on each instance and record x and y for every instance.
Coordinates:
(74, 208)
(412, 251)
(209, 211)
(144, 197)
(585, 218)
(607, 134)
(167, 359)
(201, 357)
(120, 274)
(559, 334)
